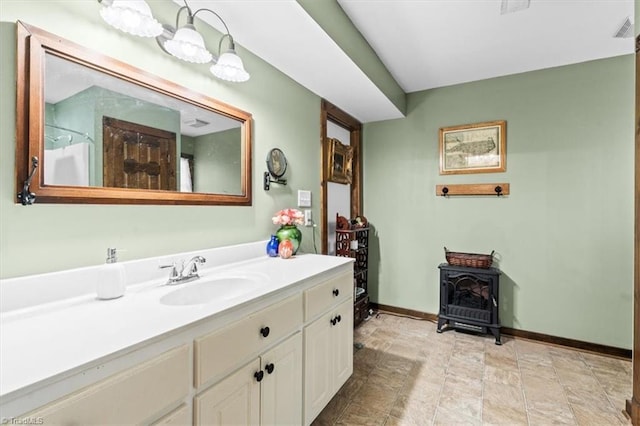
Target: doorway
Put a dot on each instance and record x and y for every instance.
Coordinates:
(338, 198)
(137, 156)
(633, 405)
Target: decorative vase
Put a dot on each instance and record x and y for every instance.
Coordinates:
(290, 232)
(285, 249)
(272, 246)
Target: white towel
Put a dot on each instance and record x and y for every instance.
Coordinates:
(185, 176)
(67, 166)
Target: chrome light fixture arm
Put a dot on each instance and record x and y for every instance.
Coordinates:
(183, 42)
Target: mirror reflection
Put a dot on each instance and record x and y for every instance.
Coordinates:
(102, 131)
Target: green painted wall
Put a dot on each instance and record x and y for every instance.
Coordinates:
(217, 167)
(564, 236)
(49, 237)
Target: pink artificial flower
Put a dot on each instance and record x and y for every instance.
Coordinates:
(288, 217)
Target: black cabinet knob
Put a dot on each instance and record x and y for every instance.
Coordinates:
(269, 367)
(339, 318)
(264, 331)
(259, 375)
(336, 292)
(333, 321)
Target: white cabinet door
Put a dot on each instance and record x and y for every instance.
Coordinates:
(318, 382)
(233, 401)
(343, 344)
(281, 391)
(328, 346)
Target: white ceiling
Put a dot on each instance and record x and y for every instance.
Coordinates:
(427, 44)
(423, 43)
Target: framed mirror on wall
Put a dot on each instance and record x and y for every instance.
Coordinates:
(106, 132)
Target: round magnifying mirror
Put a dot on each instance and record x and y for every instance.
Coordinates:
(276, 163)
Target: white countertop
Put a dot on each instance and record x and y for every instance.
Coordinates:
(41, 342)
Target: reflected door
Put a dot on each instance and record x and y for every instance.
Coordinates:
(137, 156)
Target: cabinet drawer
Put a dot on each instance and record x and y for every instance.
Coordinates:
(124, 398)
(321, 297)
(219, 352)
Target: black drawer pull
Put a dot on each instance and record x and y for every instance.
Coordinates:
(336, 292)
(259, 375)
(264, 331)
(269, 368)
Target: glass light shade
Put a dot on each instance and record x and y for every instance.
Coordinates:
(230, 68)
(133, 17)
(187, 44)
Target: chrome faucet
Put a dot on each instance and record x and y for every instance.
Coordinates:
(188, 271)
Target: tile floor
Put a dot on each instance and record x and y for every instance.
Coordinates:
(407, 374)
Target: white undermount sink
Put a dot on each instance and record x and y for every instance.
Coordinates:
(216, 288)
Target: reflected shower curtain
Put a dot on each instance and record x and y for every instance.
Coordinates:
(67, 166)
(185, 176)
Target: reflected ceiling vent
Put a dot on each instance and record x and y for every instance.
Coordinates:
(195, 123)
(626, 30)
(510, 6)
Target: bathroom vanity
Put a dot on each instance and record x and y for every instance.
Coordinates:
(256, 340)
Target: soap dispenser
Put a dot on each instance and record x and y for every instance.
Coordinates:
(111, 278)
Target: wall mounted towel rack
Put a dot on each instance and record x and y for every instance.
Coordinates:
(497, 189)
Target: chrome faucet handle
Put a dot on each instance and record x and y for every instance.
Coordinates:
(174, 275)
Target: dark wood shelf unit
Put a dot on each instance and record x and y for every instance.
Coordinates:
(346, 242)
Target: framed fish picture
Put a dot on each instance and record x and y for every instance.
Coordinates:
(473, 148)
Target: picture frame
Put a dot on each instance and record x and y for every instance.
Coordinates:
(340, 161)
(473, 148)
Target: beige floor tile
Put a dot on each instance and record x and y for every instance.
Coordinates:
(567, 363)
(505, 361)
(380, 396)
(591, 416)
(592, 398)
(407, 374)
(551, 414)
(390, 378)
(495, 413)
(537, 368)
(461, 387)
(503, 376)
(608, 363)
(461, 368)
(503, 395)
(575, 378)
(459, 410)
(414, 408)
(361, 415)
(562, 352)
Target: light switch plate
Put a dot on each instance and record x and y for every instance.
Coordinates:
(304, 198)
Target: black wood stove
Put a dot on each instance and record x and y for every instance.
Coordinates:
(469, 299)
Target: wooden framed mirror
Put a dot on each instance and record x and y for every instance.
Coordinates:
(105, 132)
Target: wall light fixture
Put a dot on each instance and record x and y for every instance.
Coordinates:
(182, 42)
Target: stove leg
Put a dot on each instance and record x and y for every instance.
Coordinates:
(496, 334)
(441, 322)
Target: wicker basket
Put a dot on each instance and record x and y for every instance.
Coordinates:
(471, 260)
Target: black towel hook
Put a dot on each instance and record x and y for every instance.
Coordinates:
(26, 197)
